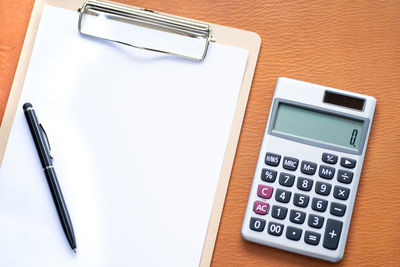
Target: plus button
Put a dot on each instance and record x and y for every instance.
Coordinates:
(333, 234)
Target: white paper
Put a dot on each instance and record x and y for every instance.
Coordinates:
(138, 140)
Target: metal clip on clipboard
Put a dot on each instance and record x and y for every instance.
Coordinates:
(125, 25)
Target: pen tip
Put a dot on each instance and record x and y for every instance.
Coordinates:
(74, 250)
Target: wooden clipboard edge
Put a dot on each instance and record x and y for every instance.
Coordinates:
(225, 35)
(252, 42)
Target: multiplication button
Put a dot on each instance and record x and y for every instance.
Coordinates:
(341, 192)
(272, 159)
(332, 234)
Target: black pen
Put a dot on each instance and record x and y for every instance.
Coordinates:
(43, 148)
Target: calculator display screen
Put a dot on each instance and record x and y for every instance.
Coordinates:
(319, 126)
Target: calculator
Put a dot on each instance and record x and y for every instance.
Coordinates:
(308, 169)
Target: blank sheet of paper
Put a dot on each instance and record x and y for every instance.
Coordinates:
(138, 140)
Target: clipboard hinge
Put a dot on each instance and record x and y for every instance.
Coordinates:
(147, 18)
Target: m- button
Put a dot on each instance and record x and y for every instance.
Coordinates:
(290, 163)
(308, 167)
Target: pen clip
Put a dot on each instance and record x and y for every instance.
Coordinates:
(47, 140)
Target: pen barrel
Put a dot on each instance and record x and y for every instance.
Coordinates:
(38, 137)
(60, 205)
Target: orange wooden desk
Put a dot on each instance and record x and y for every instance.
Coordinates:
(351, 45)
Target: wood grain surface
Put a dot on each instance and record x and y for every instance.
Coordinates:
(351, 45)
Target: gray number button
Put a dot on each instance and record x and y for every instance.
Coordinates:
(323, 188)
(286, 179)
(319, 204)
(304, 184)
(300, 200)
(257, 224)
(315, 221)
(282, 195)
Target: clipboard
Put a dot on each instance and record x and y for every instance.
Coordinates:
(222, 34)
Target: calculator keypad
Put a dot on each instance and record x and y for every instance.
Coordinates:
(311, 192)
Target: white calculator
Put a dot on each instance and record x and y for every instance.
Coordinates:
(308, 169)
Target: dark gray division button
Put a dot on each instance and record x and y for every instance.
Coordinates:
(344, 176)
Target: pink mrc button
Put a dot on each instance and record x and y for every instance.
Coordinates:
(260, 207)
(265, 191)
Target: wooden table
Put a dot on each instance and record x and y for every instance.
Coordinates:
(351, 45)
